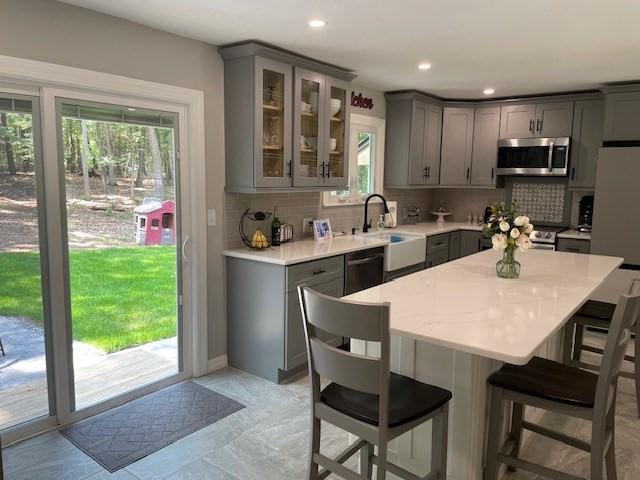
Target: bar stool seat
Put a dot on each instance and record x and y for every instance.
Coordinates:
(549, 380)
(598, 310)
(409, 400)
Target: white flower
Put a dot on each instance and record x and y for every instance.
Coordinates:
(499, 241)
(523, 243)
(526, 220)
(515, 233)
(528, 228)
(520, 221)
(504, 226)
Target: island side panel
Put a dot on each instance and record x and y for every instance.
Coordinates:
(255, 317)
(465, 375)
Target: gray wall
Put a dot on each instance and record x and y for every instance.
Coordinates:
(59, 33)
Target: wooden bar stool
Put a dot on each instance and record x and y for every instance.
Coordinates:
(364, 398)
(567, 390)
(598, 314)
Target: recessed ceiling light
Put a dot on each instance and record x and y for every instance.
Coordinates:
(488, 91)
(131, 109)
(317, 23)
(424, 66)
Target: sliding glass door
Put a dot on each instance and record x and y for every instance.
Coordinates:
(122, 234)
(26, 380)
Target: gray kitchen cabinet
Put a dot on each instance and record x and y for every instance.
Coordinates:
(484, 158)
(588, 131)
(517, 121)
(470, 242)
(272, 99)
(437, 250)
(264, 327)
(258, 133)
(454, 244)
(573, 245)
(554, 119)
(549, 119)
(622, 116)
(412, 143)
(457, 144)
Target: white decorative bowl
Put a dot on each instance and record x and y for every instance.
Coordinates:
(335, 106)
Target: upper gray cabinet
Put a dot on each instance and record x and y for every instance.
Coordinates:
(553, 119)
(457, 143)
(587, 137)
(622, 116)
(286, 121)
(485, 146)
(412, 145)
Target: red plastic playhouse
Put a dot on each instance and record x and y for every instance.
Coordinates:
(155, 222)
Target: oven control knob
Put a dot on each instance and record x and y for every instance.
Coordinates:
(538, 235)
(548, 236)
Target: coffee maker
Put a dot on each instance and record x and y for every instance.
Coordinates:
(585, 213)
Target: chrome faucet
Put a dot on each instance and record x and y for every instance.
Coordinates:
(365, 227)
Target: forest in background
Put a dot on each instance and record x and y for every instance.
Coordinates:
(113, 152)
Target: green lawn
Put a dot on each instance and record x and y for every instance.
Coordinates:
(120, 297)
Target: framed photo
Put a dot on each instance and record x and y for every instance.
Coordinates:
(322, 229)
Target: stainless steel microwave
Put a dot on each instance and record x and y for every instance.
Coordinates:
(534, 156)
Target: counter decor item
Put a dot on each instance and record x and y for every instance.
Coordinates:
(440, 216)
(322, 229)
(258, 240)
(508, 231)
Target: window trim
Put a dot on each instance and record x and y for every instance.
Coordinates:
(376, 126)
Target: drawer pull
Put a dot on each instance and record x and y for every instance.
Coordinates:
(318, 272)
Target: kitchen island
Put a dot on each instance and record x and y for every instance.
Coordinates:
(453, 325)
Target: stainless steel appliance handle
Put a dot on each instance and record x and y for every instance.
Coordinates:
(543, 246)
(362, 261)
(550, 166)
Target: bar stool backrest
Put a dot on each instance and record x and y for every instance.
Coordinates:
(363, 321)
(626, 315)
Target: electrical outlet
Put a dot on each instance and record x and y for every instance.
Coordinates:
(307, 225)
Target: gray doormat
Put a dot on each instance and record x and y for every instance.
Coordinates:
(127, 433)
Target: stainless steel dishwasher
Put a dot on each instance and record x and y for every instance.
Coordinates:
(363, 269)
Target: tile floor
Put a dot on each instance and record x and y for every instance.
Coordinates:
(268, 441)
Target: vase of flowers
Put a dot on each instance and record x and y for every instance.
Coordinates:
(509, 231)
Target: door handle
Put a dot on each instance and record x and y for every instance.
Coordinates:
(468, 172)
(539, 125)
(328, 170)
(289, 173)
(531, 125)
(426, 174)
(429, 171)
(492, 174)
(322, 174)
(184, 249)
(573, 173)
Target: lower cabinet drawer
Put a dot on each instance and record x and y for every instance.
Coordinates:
(573, 246)
(438, 243)
(437, 258)
(315, 272)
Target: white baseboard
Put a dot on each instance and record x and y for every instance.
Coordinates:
(217, 363)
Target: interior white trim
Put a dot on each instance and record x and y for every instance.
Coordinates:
(377, 126)
(36, 74)
(218, 363)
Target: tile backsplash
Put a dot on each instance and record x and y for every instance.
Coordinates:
(293, 207)
(542, 202)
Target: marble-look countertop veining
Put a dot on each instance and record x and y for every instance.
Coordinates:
(463, 305)
(301, 251)
(575, 235)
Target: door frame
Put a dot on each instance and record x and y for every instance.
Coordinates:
(52, 81)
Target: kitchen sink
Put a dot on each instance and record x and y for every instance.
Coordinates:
(404, 249)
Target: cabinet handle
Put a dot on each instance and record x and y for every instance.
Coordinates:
(468, 172)
(322, 170)
(429, 171)
(531, 125)
(425, 174)
(492, 174)
(539, 125)
(289, 172)
(328, 170)
(573, 173)
(318, 272)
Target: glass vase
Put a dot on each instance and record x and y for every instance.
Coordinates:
(508, 267)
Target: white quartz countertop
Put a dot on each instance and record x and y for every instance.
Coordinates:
(306, 250)
(575, 235)
(463, 305)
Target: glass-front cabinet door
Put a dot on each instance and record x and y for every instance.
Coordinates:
(308, 128)
(337, 137)
(273, 123)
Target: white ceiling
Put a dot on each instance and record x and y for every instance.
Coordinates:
(518, 47)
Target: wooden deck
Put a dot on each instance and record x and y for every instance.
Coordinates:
(110, 376)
